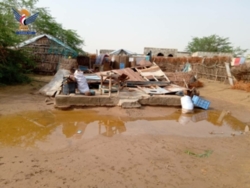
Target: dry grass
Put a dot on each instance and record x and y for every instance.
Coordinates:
(196, 84)
(183, 60)
(241, 85)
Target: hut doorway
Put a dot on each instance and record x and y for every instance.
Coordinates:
(170, 55)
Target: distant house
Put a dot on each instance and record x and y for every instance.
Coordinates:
(105, 51)
(183, 54)
(122, 52)
(211, 54)
(166, 52)
(47, 52)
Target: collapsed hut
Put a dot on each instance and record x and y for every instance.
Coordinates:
(47, 52)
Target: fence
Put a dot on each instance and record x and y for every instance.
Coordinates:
(212, 72)
(209, 68)
(242, 72)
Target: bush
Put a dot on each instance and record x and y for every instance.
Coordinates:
(14, 66)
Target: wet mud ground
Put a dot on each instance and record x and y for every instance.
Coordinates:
(112, 147)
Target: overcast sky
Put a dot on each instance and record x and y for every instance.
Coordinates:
(135, 24)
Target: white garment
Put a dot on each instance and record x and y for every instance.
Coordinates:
(184, 119)
(82, 83)
(187, 103)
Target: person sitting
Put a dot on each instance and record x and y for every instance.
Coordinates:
(187, 103)
(82, 84)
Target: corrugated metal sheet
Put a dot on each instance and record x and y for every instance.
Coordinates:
(133, 76)
(121, 51)
(156, 90)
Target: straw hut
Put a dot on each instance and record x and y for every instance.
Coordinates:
(47, 52)
(120, 58)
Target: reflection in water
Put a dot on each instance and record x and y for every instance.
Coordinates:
(62, 128)
(185, 119)
(74, 129)
(196, 117)
(112, 127)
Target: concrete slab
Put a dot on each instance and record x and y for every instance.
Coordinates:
(129, 103)
(126, 99)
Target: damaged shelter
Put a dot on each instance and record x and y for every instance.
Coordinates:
(122, 58)
(157, 82)
(47, 52)
(102, 62)
(127, 87)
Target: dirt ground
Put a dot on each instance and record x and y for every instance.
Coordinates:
(130, 161)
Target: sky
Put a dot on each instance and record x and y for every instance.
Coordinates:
(135, 24)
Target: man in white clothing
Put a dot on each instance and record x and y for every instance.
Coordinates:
(187, 103)
(82, 84)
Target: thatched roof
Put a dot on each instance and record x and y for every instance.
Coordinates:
(36, 38)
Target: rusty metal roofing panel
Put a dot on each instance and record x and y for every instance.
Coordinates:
(154, 90)
(133, 76)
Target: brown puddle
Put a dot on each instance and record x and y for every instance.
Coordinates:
(60, 129)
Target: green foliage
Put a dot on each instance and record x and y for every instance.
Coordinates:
(14, 64)
(71, 38)
(213, 43)
(46, 24)
(7, 27)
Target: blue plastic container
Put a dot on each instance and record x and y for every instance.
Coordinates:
(83, 68)
(122, 65)
(202, 103)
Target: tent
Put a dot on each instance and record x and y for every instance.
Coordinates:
(122, 52)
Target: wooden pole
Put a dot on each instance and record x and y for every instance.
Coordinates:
(229, 75)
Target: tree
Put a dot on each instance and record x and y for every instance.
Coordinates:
(14, 64)
(7, 27)
(44, 24)
(213, 43)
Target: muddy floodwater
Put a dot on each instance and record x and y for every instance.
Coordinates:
(53, 129)
(106, 147)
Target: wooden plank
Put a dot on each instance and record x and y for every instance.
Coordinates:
(230, 78)
(146, 83)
